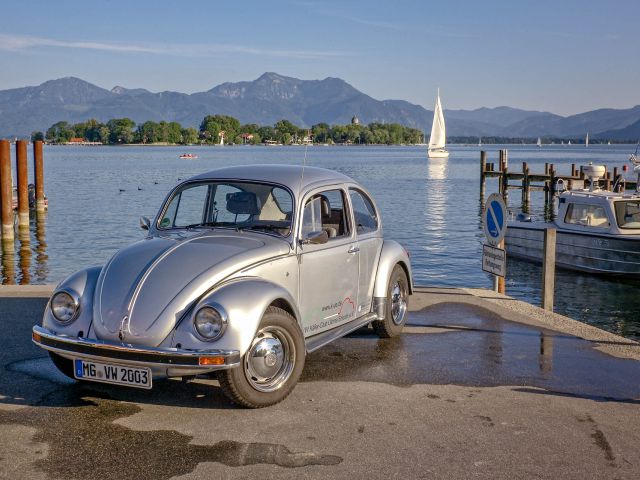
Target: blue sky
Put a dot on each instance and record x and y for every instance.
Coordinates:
(562, 56)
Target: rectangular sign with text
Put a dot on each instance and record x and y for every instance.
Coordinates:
(494, 260)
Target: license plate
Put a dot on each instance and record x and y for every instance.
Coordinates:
(108, 373)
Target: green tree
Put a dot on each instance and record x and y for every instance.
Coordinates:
(189, 136)
(121, 130)
(212, 125)
(35, 136)
(60, 132)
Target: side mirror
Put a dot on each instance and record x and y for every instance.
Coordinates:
(145, 223)
(316, 238)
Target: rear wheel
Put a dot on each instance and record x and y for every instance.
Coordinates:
(271, 366)
(63, 364)
(397, 305)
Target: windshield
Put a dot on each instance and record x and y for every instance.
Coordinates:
(229, 204)
(628, 214)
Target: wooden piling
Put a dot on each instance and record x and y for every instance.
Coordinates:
(548, 268)
(22, 184)
(504, 163)
(552, 182)
(6, 200)
(483, 169)
(38, 175)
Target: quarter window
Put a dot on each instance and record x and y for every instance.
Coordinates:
(587, 215)
(364, 212)
(325, 211)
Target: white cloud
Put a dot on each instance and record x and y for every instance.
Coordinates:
(24, 42)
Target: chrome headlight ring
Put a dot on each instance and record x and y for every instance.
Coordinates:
(210, 322)
(65, 305)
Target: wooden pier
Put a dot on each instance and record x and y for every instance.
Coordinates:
(550, 182)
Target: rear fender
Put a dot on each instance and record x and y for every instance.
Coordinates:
(244, 301)
(392, 254)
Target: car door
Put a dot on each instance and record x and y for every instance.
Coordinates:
(369, 237)
(328, 272)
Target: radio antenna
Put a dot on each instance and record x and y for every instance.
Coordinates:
(304, 163)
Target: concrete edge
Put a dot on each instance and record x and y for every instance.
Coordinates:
(22, 291)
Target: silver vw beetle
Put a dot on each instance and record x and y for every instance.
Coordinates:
(243, 272)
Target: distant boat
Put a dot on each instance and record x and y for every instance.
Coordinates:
(188, 156)
(479, 141)
(539, 142)
(586, 140)
(569, 142)
(609, 142)
(562, 142)
(438, 138)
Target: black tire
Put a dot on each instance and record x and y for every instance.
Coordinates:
(245, 384)
(397, 305)
(63, 364)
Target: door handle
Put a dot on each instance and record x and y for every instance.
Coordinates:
(354, 250)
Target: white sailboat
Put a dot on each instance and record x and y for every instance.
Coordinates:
(586, 140)
(539, 142)
(479, 141)
(438, 138)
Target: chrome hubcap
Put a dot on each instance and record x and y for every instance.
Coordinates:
(398, 303)
(270, 359)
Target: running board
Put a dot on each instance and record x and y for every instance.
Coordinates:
(321, 339)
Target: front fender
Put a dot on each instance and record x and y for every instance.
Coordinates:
(392, 254)
(84, 284)
(245, 301)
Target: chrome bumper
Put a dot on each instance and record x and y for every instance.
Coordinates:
(172, 359)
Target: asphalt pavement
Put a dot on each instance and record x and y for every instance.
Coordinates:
(478, 386)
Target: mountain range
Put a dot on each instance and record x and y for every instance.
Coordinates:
(273, 97)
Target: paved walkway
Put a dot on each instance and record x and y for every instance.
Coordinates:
(478, 386)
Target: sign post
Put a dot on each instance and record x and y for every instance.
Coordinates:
(494, 222)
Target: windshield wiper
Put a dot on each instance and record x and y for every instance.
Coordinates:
(268, 227)
(201, 224)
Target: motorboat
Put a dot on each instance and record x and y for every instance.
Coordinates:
(188, 156)
(598, 231)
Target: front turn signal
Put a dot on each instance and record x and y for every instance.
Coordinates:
(211, 361)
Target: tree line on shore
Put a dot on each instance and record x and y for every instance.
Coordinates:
(214, 128)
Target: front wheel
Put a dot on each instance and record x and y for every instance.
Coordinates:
(271, 366)
(397, 305)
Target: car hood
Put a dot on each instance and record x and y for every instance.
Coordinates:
(145, 288)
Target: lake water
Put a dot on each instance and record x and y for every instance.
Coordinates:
(433, 207)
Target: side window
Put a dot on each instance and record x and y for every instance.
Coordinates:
(364, 212)
(326, 211)
(186, 208)
(588, 215)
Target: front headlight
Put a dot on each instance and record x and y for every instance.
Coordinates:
(65, 306)
(210, 322)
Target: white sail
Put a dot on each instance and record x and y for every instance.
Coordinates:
(438, 138)
(539, 142)
(438, 131)
(586, 141)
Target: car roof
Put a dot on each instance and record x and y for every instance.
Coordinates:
(288, 175)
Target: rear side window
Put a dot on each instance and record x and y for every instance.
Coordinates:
(364, 212)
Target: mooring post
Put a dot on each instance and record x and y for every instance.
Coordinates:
(525, 187)
(505, 174)
(22, 184)
(548, 268)
(574, 171)
(6, 200)
(501, 284)
(483, 169)
(607, 181)
(38, 175)
(552, 182)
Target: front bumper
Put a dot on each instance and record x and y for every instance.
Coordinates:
(170, 362)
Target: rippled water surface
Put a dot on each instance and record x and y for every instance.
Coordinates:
(431, 206)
